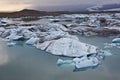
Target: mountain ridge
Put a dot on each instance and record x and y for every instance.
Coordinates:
(32, 12)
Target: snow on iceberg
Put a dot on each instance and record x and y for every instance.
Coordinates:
(32, 41)
(67, 47)
(57, 35)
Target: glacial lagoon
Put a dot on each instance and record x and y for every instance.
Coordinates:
(23, 62)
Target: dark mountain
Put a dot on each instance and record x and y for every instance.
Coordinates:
(30, 12)
(25, 12)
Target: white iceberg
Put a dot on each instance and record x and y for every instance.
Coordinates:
(11, 36)
(86, 62)
(49, 27)
(80, 63)
(5, 34)
(27, 34)
(17, 37)
(57, 35)
(2, 29)
(67, 47)
(116, 40)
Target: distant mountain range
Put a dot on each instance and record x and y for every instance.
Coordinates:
(96, 9)
(105, 7)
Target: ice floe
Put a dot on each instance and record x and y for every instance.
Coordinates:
(68, 47)
(86, 62)
(116, 40)
(80, 63)
(10, 44)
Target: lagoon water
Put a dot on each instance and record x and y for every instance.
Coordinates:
(22, 62)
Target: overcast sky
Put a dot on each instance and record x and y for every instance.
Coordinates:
(15, 5)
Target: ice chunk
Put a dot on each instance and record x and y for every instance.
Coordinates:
(17, 37)
(86, 62)
(43, 46)
(69, 47)
(80, 63)
(10, 44)
(2, 29)
(105, 53)
(61, 62)
(32, 41)
(116, 40)
(11, 36)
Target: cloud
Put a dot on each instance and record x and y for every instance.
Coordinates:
(14, 5)
(46, 3)
(70, 2)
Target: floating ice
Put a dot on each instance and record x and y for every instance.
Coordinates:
(32, 41)
(10, 44)
(67, 47)
(110, 45)
(61, 62)
(85, 62)
(116, 40)
(2, 29)
(17, 37)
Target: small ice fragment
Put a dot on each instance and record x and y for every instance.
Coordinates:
(107, 53)
(17, 37)
(10, 44)
(61, 62)
(116, 40)
(86, 62)
(32, 41)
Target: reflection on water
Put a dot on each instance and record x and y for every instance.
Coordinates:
(28, 63)
(3, 54)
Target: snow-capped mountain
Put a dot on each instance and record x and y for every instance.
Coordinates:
(105, 7)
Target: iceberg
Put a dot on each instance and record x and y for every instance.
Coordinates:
(11, 36)
(116, 40)
(49, 27)
(27, 34)
(57, 35)
(80, 63)
(67, 47)
(32, 41)
(2, 29)
(10, 44)
(17, 37)
(85, 62)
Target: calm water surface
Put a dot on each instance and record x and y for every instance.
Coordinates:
(23, 62)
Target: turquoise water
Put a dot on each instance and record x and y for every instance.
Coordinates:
(23, 62)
